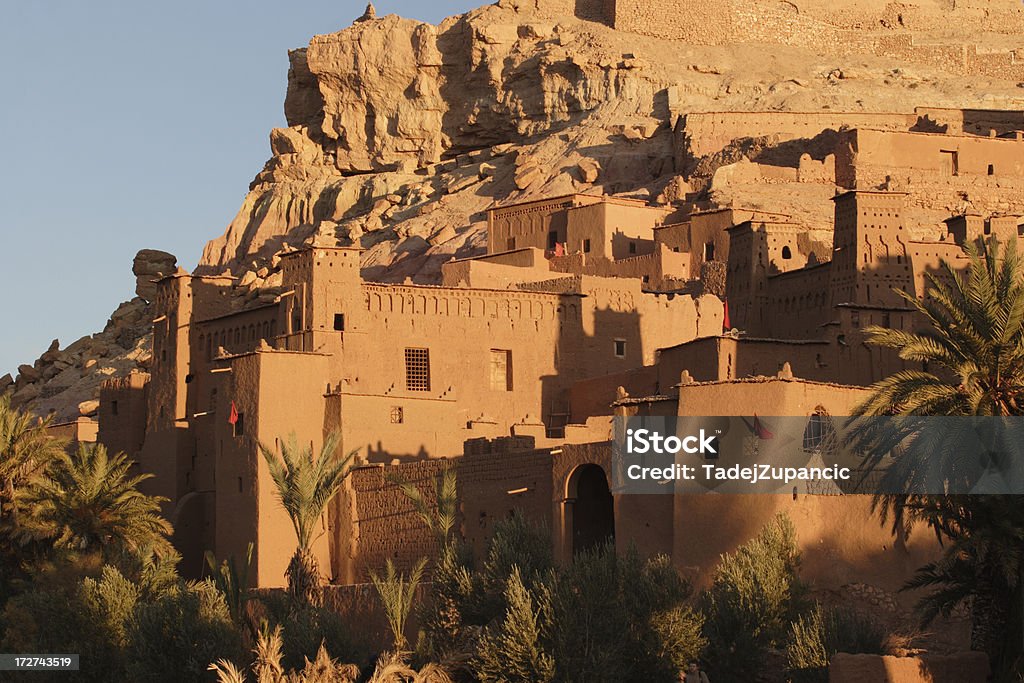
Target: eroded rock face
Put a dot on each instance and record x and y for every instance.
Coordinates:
(65, 382)
(150, 265)
(401, 134)
(538, 101)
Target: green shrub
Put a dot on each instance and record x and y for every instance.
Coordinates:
(512, 652)
(816, 637)
(606, 618)
(755, 595)
(176, 637)
(90, 620)
(304, 628)
(447, 617)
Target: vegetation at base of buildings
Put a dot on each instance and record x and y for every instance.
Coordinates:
(822, 632)
(755, 595)
(397, 594)
(972, 356)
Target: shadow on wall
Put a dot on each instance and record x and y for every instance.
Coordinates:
(615, 346)
(381, 455)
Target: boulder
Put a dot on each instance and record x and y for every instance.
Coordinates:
(589, 170)
(28, 393)
(6, 382)
(87, 408)
(28, 373)
(528, 175)
(150, 265)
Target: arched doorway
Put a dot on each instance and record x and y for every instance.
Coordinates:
(593, 513)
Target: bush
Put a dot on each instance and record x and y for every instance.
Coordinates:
(448, 617)
(755, 595)
(90, 620)
(176, 637)
(305, 628)
(512, 651)
(606, 618)
(818, 636)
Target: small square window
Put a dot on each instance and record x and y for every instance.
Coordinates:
(632, 247)
(552, 239)
(397, 415)
(339, 322)
(238, 429)
(620, 348)
(113, 407)
(586, 246)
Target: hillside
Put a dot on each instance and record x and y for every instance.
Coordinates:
(400, 133)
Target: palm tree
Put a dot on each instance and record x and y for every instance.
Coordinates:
(25, 450)
(397, 595)
(972, 356)
(88, 501)
(304, 486)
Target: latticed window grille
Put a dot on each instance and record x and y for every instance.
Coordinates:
(417, 369)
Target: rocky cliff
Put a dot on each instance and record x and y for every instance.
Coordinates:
(400, 134)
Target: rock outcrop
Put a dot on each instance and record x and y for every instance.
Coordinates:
(521, 98)
(401, 134)
(148, 267)
(65, 382)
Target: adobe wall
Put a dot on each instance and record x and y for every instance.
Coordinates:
(962, 667)
(277, 393)
(385, 525)
(720, 359)
(82, 430)
(701, 134)
(122, 414)
(797, 304)
(841, 540)
(660, 270)
(531, 224)
(613, 229)
(552, 340)
(923, 165)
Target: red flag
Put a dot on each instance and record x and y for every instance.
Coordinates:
(761, 431)
(233, 417)
(726, 325)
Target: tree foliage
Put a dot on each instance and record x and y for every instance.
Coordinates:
(305, 484)
(972, 353)
(88, 500)
(755, 595)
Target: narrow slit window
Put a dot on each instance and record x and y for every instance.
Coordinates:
(501, 369)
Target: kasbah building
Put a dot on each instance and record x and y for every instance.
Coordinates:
(585, 307)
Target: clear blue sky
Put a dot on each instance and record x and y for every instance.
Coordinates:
(130, 125)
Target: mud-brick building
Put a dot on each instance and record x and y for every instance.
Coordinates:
(404, 373)
(584, 307)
